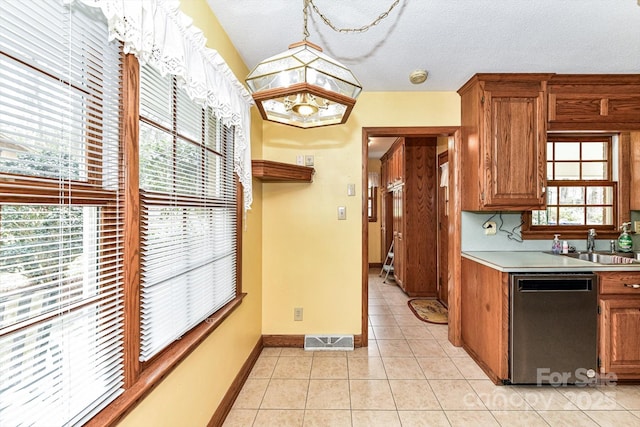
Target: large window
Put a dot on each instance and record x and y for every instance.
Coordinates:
(82, 322)
(61, 314)
(188, 198)
(581, 190)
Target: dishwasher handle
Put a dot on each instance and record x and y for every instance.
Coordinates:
(556, 284)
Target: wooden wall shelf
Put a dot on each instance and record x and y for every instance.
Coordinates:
(268, 171)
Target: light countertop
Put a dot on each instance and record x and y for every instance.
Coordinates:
(541, 262)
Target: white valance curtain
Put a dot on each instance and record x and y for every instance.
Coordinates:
(159, 34)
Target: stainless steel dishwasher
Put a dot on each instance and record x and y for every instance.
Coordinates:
(553, 328)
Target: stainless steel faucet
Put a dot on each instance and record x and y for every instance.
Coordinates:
(591, 240)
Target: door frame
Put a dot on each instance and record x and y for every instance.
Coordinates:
(442, 158)
(453, 133)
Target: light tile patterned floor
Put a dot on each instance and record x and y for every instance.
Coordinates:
(410, 375)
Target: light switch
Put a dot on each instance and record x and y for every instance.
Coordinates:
(300, 160)
(342, 212)
(351, 189)
(308, 160)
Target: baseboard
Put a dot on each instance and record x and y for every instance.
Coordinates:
(296, 341)
(375, 265)
(234, 389)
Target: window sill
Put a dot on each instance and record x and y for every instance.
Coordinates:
(568, 235)
(160, 367)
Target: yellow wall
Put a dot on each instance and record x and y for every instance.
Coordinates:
(374, 227)
(295, 251)
(310, 259)
(191, 393)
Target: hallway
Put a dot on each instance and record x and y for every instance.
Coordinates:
(410, 375)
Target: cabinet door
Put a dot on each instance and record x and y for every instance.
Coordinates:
(514, 149)
(401, 164)
(620, 337)
(398, 237)
(386, 221)
(592, 101)
(384, 173)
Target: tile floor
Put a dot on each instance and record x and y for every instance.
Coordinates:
(410, 375)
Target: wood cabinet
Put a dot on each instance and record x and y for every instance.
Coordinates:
(619, 324)
(634, 166)
(392, 172)
(411, 166)
(398, 198)
(504, 142)
(594, 102)
(484, 295)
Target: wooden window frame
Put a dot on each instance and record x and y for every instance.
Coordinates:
(621, 190)
(141, 378)
(372, 197)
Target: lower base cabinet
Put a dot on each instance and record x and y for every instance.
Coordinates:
(484, 298)
(619, 325)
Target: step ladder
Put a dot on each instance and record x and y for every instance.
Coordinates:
(387, 267)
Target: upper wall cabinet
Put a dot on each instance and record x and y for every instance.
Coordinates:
(504, 139)
(393, 164)
(594, 102)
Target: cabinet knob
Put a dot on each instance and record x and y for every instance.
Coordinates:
(634, 285)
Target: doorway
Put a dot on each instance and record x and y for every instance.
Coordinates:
(451, 273)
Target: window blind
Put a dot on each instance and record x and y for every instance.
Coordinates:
(61, 332)
(188, 219)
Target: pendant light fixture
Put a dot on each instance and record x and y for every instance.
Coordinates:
(302, 86)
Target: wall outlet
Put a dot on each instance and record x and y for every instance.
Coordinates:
(342, 212)
(297, 314)
(308, 160)
(490, 228)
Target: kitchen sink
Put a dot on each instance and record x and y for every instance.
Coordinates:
(604, 258)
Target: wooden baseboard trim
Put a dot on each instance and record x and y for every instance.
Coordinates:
(296, 341)
(232, 393)
(357, 341)
(375, 265)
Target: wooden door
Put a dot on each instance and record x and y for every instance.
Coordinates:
(443, 232)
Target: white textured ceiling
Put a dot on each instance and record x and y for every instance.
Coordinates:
(451, 39)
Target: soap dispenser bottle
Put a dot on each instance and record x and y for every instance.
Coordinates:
(625, 244)
(556, 246)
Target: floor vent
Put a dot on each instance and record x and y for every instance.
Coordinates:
(328, 342)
